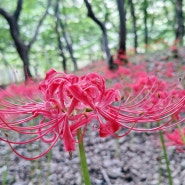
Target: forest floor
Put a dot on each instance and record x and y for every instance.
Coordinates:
(132, 160)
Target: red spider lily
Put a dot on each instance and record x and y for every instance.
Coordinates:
(176, 138)
(22, 90)
(69, 102)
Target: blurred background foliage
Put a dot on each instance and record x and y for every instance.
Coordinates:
(158, 18)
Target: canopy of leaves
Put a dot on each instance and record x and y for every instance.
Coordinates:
(83, 33)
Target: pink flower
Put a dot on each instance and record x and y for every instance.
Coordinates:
(176, 138)
(68, 102)
(63, 96)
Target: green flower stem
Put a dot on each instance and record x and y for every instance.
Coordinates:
(83, 161)
(166, 157)
(116, 153)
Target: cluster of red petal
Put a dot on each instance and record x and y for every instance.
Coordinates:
(68, 102)
(176, 138)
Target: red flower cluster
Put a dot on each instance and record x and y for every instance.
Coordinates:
(68, 102)
(176, 138)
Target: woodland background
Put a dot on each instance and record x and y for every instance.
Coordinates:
(36, 35)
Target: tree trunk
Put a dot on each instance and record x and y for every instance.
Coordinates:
(132, 10)
(69, 45)
(180, 21)
(104, 33)
(60, 46)
(23, 51)
(21, 47)
(145, 24)
(122, 33)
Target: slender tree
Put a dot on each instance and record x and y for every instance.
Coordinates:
(104, 33)
(145, 7)
(180, 21)
(60, 44)
(22, 48)
(122, 32)
(132, 10)
(64, 33)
